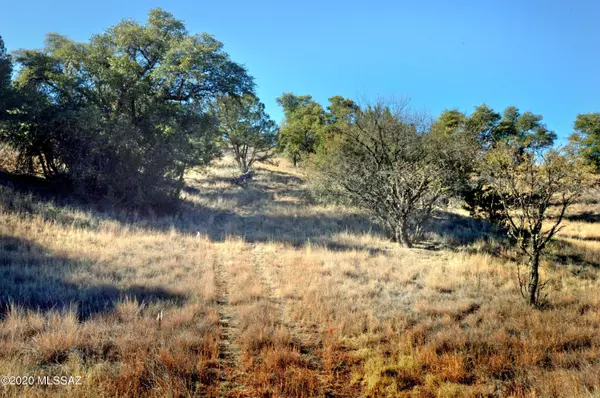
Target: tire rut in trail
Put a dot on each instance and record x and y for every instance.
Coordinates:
(229, 351)
(305, 339)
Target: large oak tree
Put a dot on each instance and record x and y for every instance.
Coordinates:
(125, 114)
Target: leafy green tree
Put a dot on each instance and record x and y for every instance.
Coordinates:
(587, 137)
(450, 123)
(248, 131)
(454, 127)
(302, 129)
(481, 124)
(5, 81)
(483, 131)
(7, 106)
(125, 114)
(341, 113)
(526, 130)
(341, 110)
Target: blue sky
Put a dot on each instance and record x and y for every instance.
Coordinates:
(541, 56)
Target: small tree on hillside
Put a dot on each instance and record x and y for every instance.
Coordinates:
(247, 129)
(587, 137)
(302, 127)
(528, 184)
(384, 160)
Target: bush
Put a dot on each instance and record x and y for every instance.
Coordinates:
(385, 160)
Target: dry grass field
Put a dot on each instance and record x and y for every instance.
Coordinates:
(263, 293)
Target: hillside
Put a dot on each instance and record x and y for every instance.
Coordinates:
(257, 291)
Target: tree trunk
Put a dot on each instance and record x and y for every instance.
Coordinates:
(402, 236)
(43, 164)
(243, 165)
(534, 263)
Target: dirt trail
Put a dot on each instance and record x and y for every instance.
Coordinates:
(229, 351)
(306, 340)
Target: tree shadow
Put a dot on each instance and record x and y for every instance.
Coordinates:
(280, 221)
(293, 227)
(34, 278)
(586, 216)
(281, 177)
(241, 196)
(460, 230)
(566, 253)
(586, 238)
(28, 184)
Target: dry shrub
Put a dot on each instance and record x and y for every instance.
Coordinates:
(8, 158)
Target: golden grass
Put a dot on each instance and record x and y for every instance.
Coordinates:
(264, 293)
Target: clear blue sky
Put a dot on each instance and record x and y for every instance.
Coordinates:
(541, 56)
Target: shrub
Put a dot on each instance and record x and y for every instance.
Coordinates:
(385, 160)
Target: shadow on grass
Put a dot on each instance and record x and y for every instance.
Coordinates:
(27, 184)
(290, 226)
(34, 278)
(281, 177)
(584, 238)
(566, 253)
(587, 216)
(458, 230)
(242, 197)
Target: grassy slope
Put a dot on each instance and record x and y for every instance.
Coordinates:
(265, 294)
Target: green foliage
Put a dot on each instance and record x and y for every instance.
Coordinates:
(125, 114)
(483, 131)
(6, 95)
(247, 130)
(482, 124)
(587, 137)
(302, 130)
(526, 130)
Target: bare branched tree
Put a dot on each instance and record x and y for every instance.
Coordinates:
(385, 160)
(528, 184)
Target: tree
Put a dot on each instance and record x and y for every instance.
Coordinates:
(341, 110)
(386, 162)
(302, 128)
(126, 114)
(528, 183)
(483, 131)
(482, 124)
(587, 137)
(247, 129)
(525, 130)
(5, 81)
